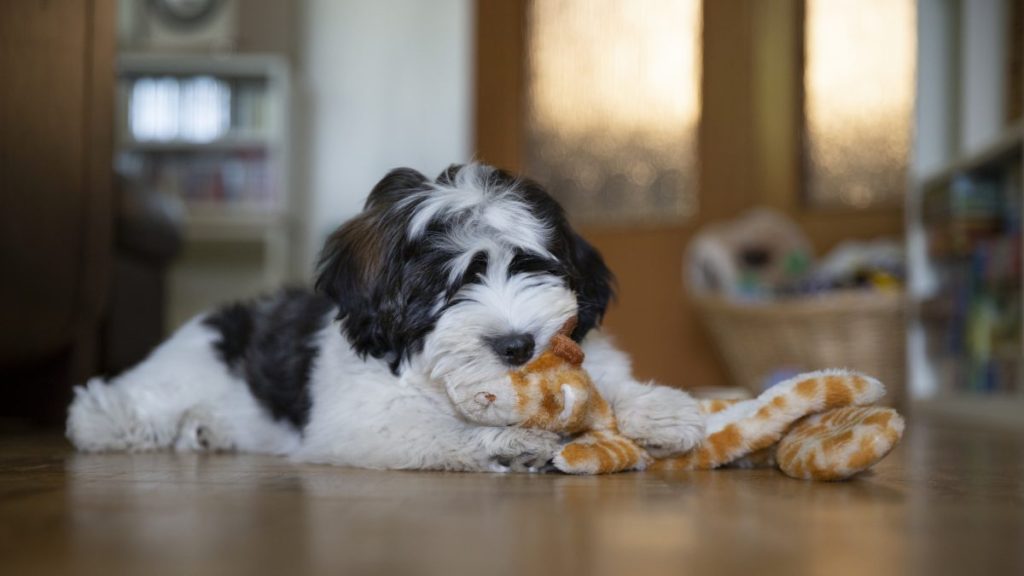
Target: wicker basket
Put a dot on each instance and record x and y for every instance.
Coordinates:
(863, 331)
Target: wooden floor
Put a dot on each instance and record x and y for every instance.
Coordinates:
(948, 501)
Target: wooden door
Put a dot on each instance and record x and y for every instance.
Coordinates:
(56, 104)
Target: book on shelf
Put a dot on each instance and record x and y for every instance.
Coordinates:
(973, 322)
(231, 179)
(204, 139)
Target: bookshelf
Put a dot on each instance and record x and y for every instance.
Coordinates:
(212, 130)
(964, 211)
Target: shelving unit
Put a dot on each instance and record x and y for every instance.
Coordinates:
(966, 336)
(233, 142)
(212, 130)
(1004, 147)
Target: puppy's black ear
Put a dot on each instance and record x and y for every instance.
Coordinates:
(349, 273)
(361, 269)
(594, 284)
(394, 186)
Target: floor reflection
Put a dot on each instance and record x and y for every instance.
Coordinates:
(947, 499)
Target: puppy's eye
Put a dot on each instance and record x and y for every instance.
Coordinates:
(477, 267)
(526, 263)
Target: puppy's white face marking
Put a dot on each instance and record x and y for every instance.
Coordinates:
(457, 352)
(489, 225)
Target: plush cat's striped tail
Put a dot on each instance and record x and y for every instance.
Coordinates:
(736, 429)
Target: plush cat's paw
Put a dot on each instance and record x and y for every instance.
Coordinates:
(522, 449)
(664, 421)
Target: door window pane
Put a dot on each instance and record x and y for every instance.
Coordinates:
(860, 61)
(613, 106)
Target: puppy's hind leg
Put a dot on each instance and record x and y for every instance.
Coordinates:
(103, 417)
(143, 408)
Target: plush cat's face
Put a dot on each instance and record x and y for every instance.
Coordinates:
(552, 392)
(547, 393)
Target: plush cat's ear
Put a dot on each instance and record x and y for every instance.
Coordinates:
(567, 349)
(569, 326)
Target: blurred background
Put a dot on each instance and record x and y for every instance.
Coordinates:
(779, 185)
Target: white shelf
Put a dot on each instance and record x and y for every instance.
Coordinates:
(961, 131)
(230, 142)
(999, 411)
(238, 227)
(228, 64)
(1010, 142)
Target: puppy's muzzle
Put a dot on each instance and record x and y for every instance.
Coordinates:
(513, 349)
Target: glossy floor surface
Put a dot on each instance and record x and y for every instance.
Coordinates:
(947, 501)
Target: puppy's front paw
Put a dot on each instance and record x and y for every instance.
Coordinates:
(199, 431)
(523, 449)
(663, 420)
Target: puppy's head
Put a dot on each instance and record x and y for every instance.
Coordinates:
(466, 276)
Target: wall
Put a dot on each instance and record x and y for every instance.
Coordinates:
(379, 85)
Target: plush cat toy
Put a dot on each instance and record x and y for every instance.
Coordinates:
(819, 425)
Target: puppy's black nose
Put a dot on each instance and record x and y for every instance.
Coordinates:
(513, 349)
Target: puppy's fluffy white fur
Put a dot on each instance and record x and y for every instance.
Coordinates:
(378, 370)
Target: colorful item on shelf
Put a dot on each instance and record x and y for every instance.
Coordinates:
(973, 227)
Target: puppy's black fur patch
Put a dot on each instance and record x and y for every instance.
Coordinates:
(269, 342)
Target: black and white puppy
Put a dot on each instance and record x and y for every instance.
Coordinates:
(435, 287)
